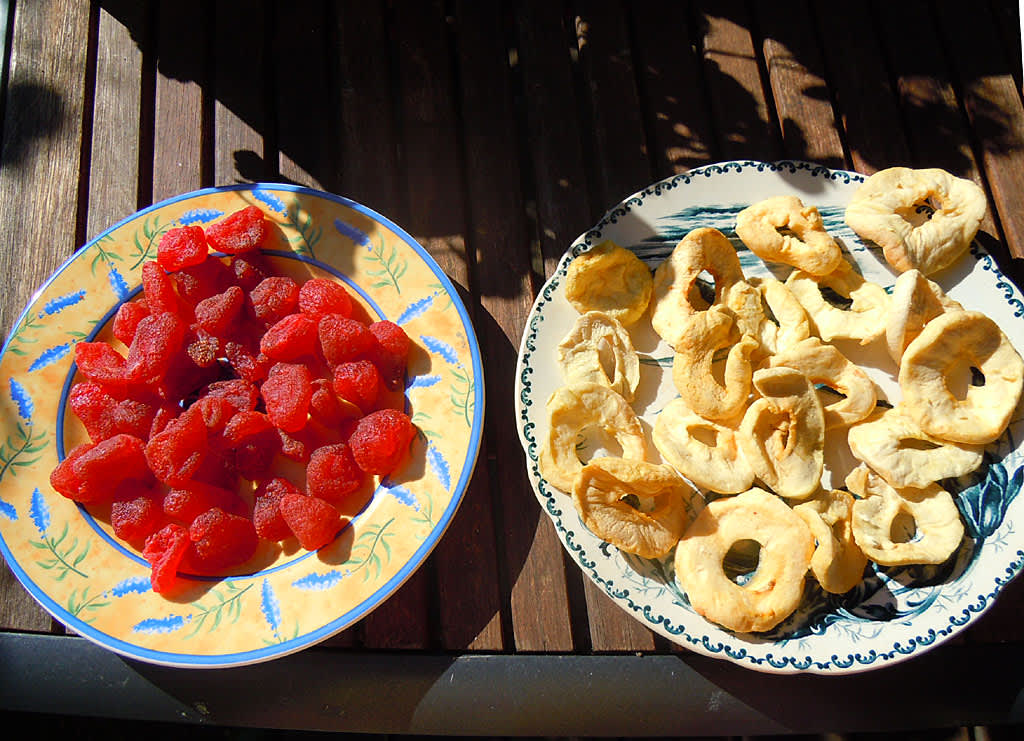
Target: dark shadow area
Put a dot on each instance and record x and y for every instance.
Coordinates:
(35, 112)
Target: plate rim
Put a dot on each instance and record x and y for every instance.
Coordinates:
(705, 644)
(378, 596)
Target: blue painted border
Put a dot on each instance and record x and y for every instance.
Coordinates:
(343, 621)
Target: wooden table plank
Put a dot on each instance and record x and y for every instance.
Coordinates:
(621, 167)
(553, 191)
(301, 95)
(673, 95)
(240, 78)
(742, 118)
(936, 129)
(182, 142)
(114, 180)
(867, 104)
(991, 98)
(797, 78)
(363, 150)
(40, 156)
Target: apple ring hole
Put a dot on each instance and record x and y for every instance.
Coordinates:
(916, 443)
(703, 291)
(741, 561)
(903, 528)
(918, 213)
(593, 442)
(834, 298)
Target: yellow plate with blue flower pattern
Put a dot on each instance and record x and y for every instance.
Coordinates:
(285, 599)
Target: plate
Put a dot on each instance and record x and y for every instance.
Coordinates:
(286, 599)
(895, 613)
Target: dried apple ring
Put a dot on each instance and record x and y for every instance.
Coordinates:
(782, 435)
(638, 507)
(825, 364)
(782, 229)
(675, 292)
(906, 526)
(572, 410)
(692, 367)
(863, 321)
(785, 322)
(958, 341)
(610, 279)
(896, 447)
(915, 301)
(891, 208)
(774, 590)
(598, 349)
(704, 451)
(838, 562)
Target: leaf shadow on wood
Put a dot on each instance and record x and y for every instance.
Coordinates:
(35, 111)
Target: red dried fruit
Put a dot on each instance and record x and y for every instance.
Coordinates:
(293, 448)
(164, 550)
(220, 540)
(249, 270)
(313, 521)
(389, 353)
(249, 365)
(218, 313)
(241, 394)
(380, 440)
(319, 296)
(188, 502)
(157, 339)
(164, 415)
(216, 411)
(127, 320)
(254, 456)
(286, 393)
(333, 473)
(91, 403)
(274, 298)
(181, 247)
(343, 339)
(242, 231)
(324, 406)
(133, 417)
(266, 512)
(245, 424)
(196, 282)
(358, 382)
(134, 520)
(159, 289)
(202, 348)
(175, 453)
(101, 469)
(63, 478)
(292, 338)
(101, 363)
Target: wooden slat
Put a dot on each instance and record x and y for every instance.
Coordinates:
(117, 109)
(866, 102)
(673, 93)
(742, 118)
(182, 74)
(363, 146)
(991, 97)
(533, 556)
(40, 158)
(935, 126)
(435, 217)
(622, 168)
(301, 92)
(797, 79)
(240, 90)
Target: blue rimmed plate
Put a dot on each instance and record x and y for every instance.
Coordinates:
(895, 613)
(285, 599)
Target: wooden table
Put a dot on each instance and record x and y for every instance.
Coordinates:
(494, 133)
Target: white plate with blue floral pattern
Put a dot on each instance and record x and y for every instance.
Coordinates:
(284, 599)
(895, 613)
